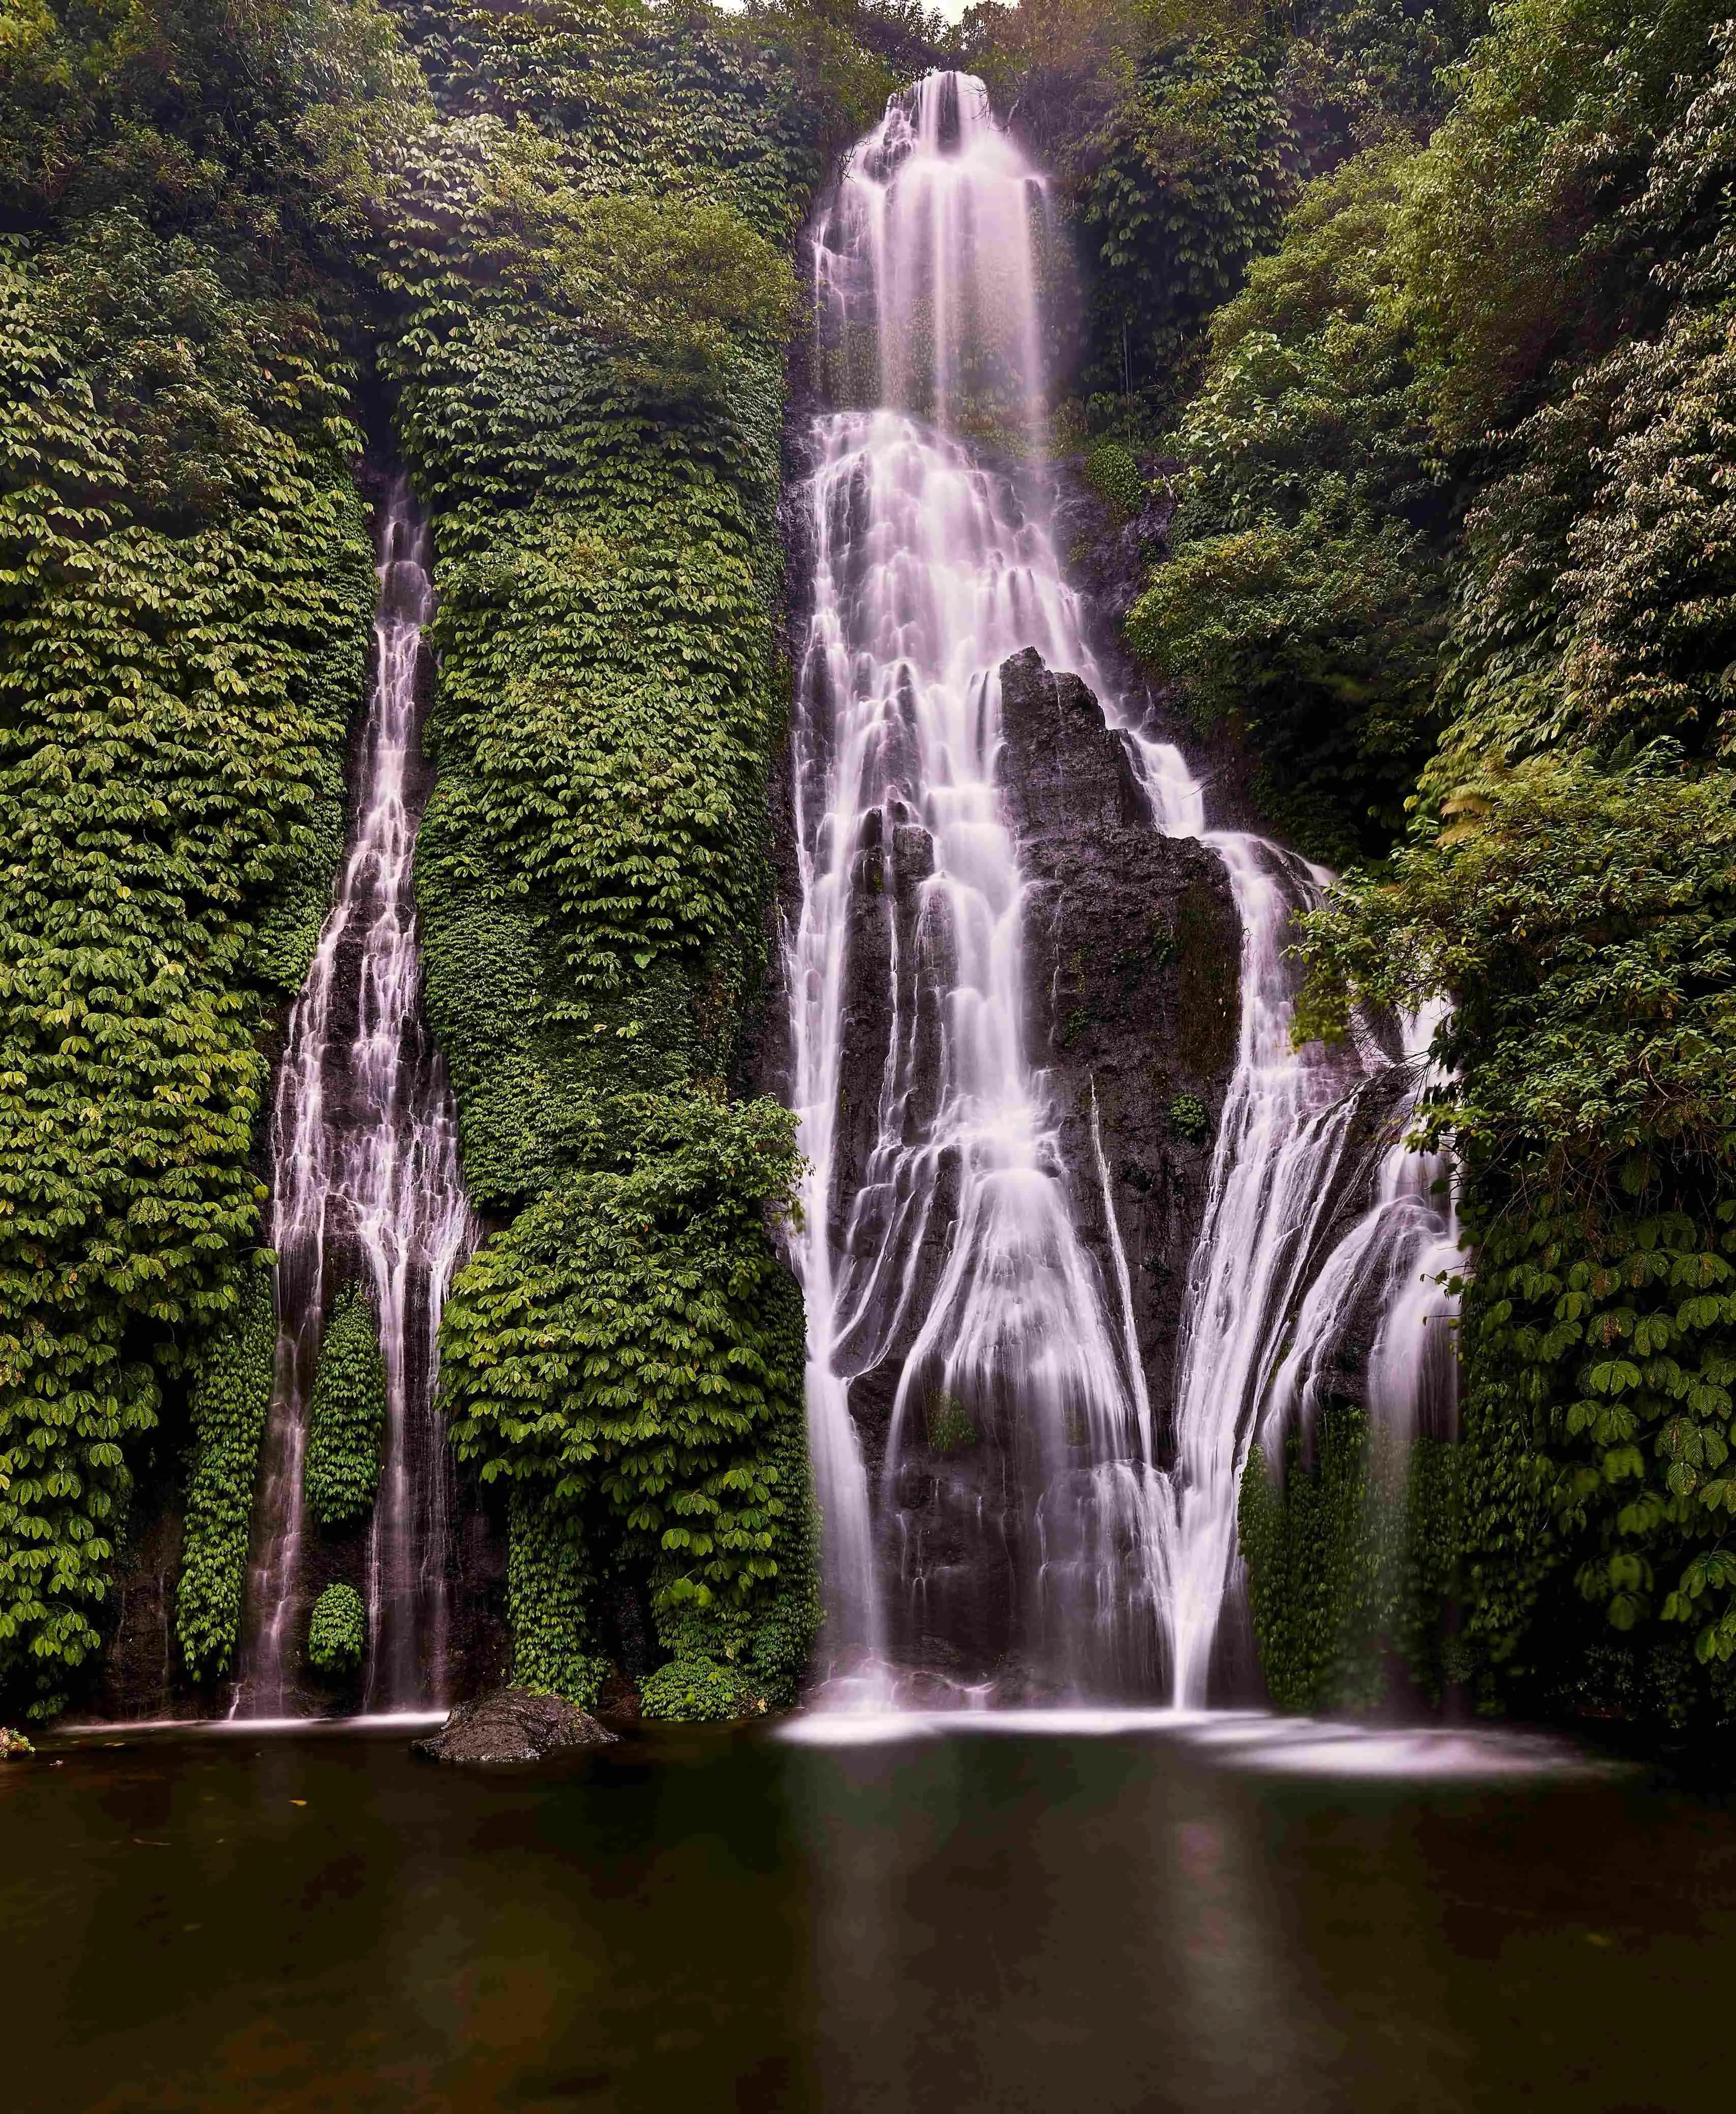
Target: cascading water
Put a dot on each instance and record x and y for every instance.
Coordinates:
(366, 1185)
(949, 1293)
(1278, 1178)
(937, 1238)
(1379, 1304)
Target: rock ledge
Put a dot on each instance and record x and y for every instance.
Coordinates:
(512, 1725)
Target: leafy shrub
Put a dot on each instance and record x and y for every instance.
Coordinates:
(337, 1631)
(1189, 1118)
(347, 1413)
(1306, 599)
(698, 1691)
(1116, 478)
(1185, 183)
(628, 1343)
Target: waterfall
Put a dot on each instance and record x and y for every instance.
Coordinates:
(366, 1186)
(938, 1244)
(1379, 1301)
(954, 1314)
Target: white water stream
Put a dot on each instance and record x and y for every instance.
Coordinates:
(365, 1183)
(937, 1243)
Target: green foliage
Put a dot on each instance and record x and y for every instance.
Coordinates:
(950, 1428)
(13, 1745)
(1307, 599)
(675, 289)
(1521, 250)
(1351, 1562)
(338, 1631)
(279, 123)
(346, 1416)
(590, 375)
(697, 1691)
(1189, 1118)
(1569, 874)
(185, 594)
(1360, 73)
(231, 1400)
(1116, 478)
(548, 1597)
(1186, 181)
(848, 56)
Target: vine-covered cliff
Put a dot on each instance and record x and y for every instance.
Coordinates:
(541, 256)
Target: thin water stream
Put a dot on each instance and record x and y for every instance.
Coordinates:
(366, 1186)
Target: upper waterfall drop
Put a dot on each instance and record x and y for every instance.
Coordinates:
(993, 1480)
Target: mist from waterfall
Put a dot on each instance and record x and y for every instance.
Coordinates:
(938, 1242)
(366, 1186)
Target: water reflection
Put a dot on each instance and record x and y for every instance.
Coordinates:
(1012, 1919)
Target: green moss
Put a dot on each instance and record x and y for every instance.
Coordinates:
(337, 1631)
(346, 1416)
(601, 450)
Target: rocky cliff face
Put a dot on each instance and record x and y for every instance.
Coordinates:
(1133, 948)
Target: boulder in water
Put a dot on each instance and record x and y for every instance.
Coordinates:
(511, 1725)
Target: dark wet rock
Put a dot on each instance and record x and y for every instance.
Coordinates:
(1110, 560)
(512, 1725)
(1132, 968)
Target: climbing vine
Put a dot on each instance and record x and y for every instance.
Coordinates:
(549, 1599)
(590, 386)
(231, 1400)
(346, 1414)
(1352, 1564)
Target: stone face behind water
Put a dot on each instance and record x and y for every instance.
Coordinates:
(1132, 955)
(512, 1725)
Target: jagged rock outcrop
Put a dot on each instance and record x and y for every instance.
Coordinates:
(1133, 952)
(512, 1725)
